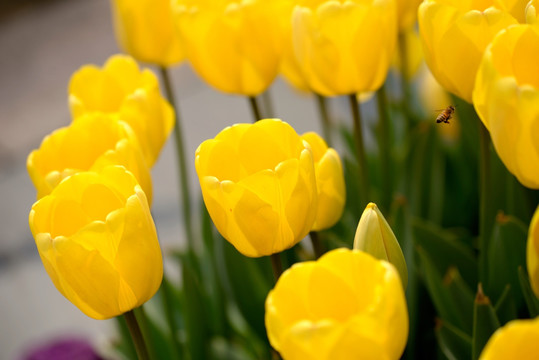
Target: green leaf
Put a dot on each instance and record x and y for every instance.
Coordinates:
(505, 254)
(125, 344)
(462, 296)
(446, 249)
(485, 322)
(529, 296)
(454, 343)
(505, 306)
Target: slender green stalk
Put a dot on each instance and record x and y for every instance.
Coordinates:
(385, 150)
(136, 335)
(255, 109)
(321, 101)
(276, 265)
(182, 165)
(317, 244)
(267, 103)
(484, 198)
(360, 149)
(405, 86)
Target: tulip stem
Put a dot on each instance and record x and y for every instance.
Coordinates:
(317, 244)
(360, 150)
(405, 87)
(182, 165)
(276, 265)
(484, 198)
(324, 115)
(267, 104)
(136, 335)
(385, 150)
(255, 108)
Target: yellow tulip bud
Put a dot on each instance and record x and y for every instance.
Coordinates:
(531, 12)
(91, 143)
(516, 340)
(235, 46)
(329, 182)
(97, 241)
(259, 186)
(374, 236)
(455, 34)
(532, 253)
(125, 92)
(344, 47)
(346, 305)
(506, 98)
(144, 29)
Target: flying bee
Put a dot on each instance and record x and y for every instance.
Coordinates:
(446, 114)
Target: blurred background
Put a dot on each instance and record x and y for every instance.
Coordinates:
(42, 42)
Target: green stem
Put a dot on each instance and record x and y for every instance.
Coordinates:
(136, 335)
(484, 198)
(317, 244)
(360, 149)
(182, 165)
(405, 86)
(276, 265)
(324, 116)
(385, 150)
(255, 108)
(267, 104)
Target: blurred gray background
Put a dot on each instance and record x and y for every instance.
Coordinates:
(41, 44)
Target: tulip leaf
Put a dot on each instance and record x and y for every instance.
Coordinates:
(505, 306)
(247, 282)
(505, 254)
(454, 343)
(440, 294)
(485, 322)
(125, 345)
(154, 330)
(529, 296)
(446, 249)
(171, 308)
(462, 296)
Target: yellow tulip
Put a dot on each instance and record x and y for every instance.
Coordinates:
(344, 47)
(346, 305)
(455, 34)
(122, 90)
(532, 253)
(97, 241)
(375, 237)
(506, 98)
(414, 53)
(531, 12)
(517, 8)
(407, 13)
(91, 143)
(259, 186)
(144, 29)
(329, 182)
(516, 340)
(235, 46)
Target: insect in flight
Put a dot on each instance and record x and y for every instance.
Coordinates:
(446, 114)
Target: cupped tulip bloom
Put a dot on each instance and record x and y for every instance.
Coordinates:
(97, 241)
(532, 253)
(344, 47)
(506, 98)
(259, 186)
(455, 34)
(91, 143)
(234, 46)
(346, 305)
(122, 90)
(329, 182)
(515, 340)
(144, 29)
(375, 237)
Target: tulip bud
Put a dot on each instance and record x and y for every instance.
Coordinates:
(374, 236)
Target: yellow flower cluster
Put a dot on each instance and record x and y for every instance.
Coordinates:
(478, 51)
(92, 223)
